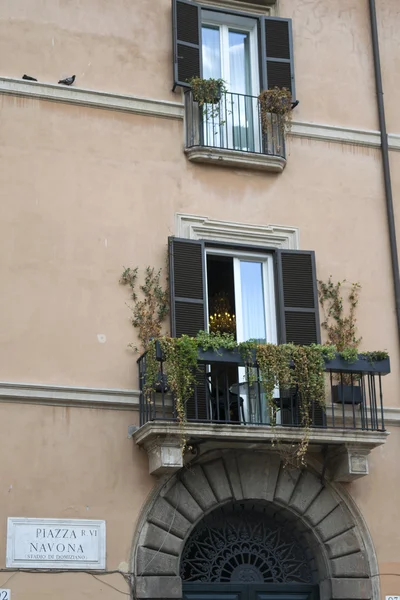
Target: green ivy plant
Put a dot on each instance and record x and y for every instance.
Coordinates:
(216, 340)
(284, 366)
(375, 356)
(180, 358)
(289, 366)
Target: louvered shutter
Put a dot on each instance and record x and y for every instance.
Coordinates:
(277, 66)
(298, 297)
(187, 307)
(187, 288)
(186, 38)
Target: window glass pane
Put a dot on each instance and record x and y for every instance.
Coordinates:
(253, 304)
(211, 52)
(239, 62)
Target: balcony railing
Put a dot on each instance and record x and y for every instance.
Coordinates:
(232, 122)
(222, 395)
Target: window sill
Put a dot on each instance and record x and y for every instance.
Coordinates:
(236, 159)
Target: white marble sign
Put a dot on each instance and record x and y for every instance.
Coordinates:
(5, 594)
(56, 544)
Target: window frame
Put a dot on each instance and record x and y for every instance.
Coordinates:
(269, 288)
(246, 23)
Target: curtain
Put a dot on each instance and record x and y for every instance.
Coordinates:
(241, 109)
(253, 305)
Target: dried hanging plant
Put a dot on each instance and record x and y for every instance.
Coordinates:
(276, 113)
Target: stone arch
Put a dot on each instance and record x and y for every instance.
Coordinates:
(338, 540)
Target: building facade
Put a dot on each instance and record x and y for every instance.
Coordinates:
(108, 173)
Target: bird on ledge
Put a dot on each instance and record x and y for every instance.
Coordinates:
(67, 80)
(28, 78)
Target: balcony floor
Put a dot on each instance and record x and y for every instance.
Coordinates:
(347, 449)
(236, 159)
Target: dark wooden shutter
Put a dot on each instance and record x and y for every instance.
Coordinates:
(188, 307)
(277, 66)
(298, 297)
(187, 288)
(186, 38)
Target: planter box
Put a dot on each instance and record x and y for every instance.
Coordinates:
(347, 394)
(337, 365)
(362, 365)
(222, 355)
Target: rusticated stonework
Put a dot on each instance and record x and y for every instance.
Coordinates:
(340, 545)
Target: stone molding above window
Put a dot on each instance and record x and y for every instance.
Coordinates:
(196, 227)
(264, 7)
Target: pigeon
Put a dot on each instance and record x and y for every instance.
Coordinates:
(67, 80)
(28, 78)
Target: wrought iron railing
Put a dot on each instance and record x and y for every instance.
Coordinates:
(232, 122)
(222, 394)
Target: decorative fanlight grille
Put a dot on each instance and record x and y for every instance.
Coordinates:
(244, 544)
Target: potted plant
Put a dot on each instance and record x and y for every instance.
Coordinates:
(342, 333)
(276, 101)
(207, 91)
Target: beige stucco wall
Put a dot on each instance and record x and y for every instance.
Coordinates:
(333, 62)
(388, 16)
(108, 48)
(106, 45)
(375, 496)
(70, 463)
(84, 192)
(101, 190)
(79, 463)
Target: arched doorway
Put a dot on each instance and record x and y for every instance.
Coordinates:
(248, 551)
(320, 515)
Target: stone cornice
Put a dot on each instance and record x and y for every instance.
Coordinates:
(93, 98)
(107, 398)
(175, 110)
(56, 395)
(342, 135)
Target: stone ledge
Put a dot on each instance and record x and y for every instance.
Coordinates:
(175, 110)
(92, 98)
(58, 395)
(254, 434)
(236, 159)
(346, 460)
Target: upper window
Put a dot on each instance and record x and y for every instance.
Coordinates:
(249, 52)
(230, 51)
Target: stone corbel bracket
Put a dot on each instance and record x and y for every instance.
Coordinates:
(164, 453)
(348, 462)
